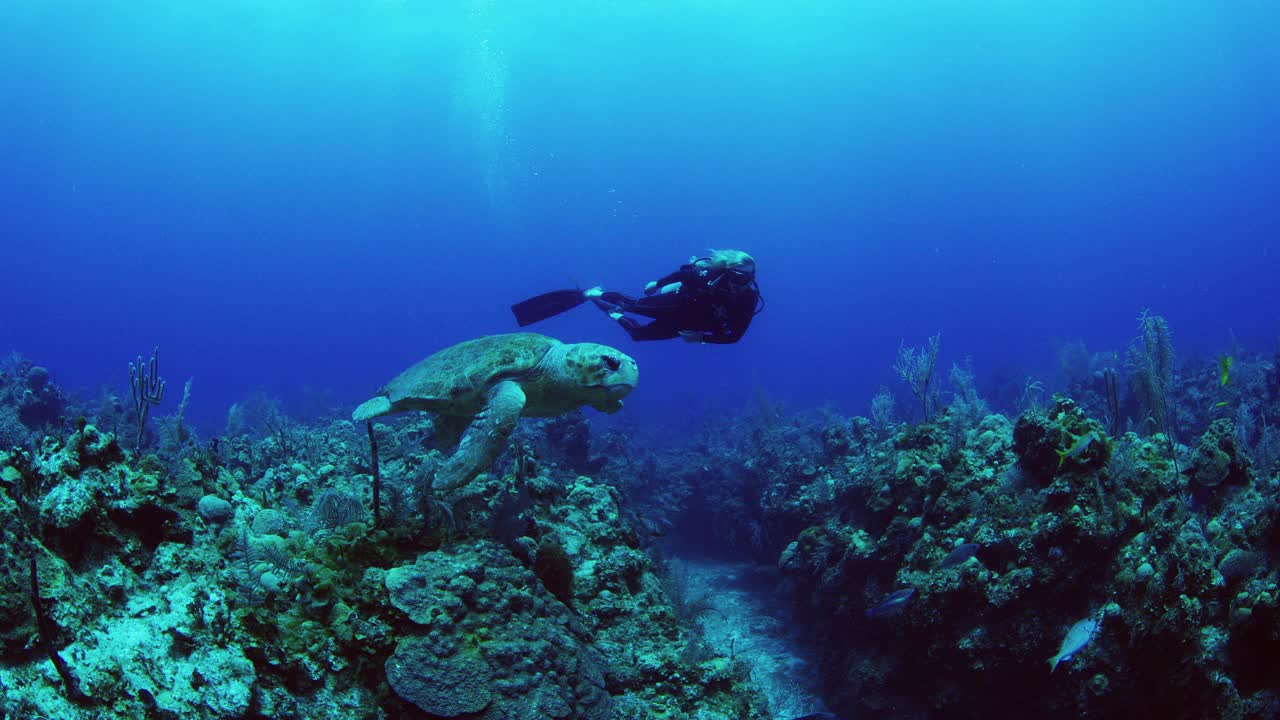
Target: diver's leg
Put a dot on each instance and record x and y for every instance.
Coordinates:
(656, 330)
(615, 302)
(659, 307)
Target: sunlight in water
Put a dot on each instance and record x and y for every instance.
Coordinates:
(481, 110)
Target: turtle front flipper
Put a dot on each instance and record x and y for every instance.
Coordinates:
(484, 438)
(446, 431)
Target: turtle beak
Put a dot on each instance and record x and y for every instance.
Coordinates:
(607, 372)
(620, 387)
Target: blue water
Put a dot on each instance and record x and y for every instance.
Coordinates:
(308, 197)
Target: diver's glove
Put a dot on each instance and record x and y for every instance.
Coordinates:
(651, 287)
(691, 336)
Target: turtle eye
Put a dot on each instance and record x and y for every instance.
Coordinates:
(611, 362)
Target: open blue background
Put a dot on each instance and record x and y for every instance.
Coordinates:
(296, 195)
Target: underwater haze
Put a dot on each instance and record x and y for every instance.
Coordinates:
(291, 196)
(1002, 442)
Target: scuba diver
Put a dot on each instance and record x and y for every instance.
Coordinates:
(709, 299)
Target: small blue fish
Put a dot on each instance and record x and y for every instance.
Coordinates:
(959, 554)
(893, 604)
(1077, 637)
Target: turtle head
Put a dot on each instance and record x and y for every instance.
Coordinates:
(601, 374)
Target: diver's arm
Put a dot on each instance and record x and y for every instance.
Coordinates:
(669, 283)
(724, 336)
(653, 288)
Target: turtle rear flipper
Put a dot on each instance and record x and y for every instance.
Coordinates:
(484, 437)
(370, 409)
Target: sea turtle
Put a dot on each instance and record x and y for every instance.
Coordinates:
(491, 381)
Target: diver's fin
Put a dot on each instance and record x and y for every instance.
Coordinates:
(546, 305)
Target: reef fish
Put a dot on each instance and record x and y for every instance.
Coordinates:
(892, 604)
(1082, 443)
(959, 554)
(1077, 637)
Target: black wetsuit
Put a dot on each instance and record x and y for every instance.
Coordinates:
(708, 303)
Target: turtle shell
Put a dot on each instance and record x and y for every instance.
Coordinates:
(456, 378)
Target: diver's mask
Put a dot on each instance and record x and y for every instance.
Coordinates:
(732, 277)
(735, 276)
(741, 273)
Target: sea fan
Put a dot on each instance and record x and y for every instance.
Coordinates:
(333, 509)
(262, 566)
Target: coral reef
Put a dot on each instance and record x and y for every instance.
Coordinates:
(944, 563)
(492, 641)
(1053, 562)
(243, 578)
